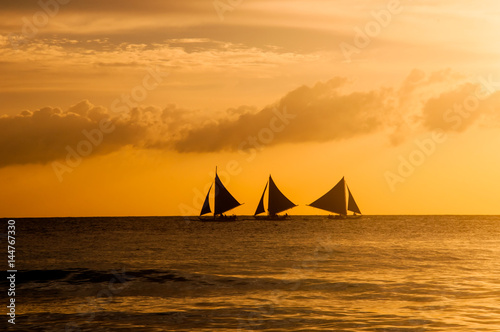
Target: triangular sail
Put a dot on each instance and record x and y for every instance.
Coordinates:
(260, 207)
(224, 201)
(351, 203)
(334, 200)
(206, 205)
(277, 201)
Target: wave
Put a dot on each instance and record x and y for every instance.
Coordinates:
(82, 276)
(163, 283)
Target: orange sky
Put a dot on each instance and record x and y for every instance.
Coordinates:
(126, 107)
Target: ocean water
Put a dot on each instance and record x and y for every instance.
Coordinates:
(309, 273)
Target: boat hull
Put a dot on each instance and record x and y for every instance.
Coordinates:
(218, 219)
(338, 216)
(271, 217)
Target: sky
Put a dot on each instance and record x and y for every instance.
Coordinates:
(125, 108)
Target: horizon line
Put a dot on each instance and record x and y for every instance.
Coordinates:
(245, 215)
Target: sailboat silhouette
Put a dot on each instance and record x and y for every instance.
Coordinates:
(277, 202)
(338, 200)
(223, 202)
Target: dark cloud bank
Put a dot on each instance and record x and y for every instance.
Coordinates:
(320, 113)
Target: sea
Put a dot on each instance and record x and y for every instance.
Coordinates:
(308, 273)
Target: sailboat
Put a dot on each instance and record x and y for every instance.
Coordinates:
(338, 200)
(223, 202)
(276, 203)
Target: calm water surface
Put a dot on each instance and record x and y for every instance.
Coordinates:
(397, 273)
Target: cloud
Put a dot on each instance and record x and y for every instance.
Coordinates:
(460, 108)
(439, 112)
(325, 112)
(47, 134)
(308, 114)
(43, 135)
(412, 97)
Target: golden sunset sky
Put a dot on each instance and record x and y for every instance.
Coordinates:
(120, 108)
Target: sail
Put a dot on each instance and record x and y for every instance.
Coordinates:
(206, 205)
(224, 201)
(351, 203)
(334, 200)
(277, 201)
(260, 207)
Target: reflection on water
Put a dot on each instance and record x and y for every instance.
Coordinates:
(307, 273)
